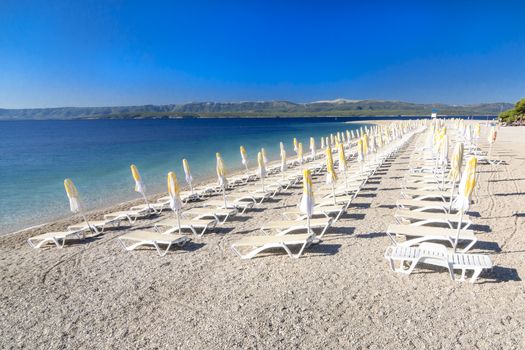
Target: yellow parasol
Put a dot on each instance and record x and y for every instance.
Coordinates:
(139, 185)
(174, 194)
(331, 176)
(244, 157)
(307, 201)
(75, 205)
(300, 152)
(312, 147)
(187, 174)
(262, 168)
(221, 175)
(466, 187)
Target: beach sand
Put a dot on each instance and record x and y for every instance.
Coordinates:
(340, 294)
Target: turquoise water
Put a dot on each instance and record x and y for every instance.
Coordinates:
(36, 156)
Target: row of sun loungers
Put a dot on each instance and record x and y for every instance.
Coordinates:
(423, 210)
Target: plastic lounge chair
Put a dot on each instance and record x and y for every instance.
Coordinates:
(261, 243)
(172, 225)
(155, 239)
(438, 255)
(288, 226)
(426, 233)
(241, 202)
(419, 218)
(207, 212)
(421, 205)
(98, 226)
(58, 238)
(327, 211)
(131, 215)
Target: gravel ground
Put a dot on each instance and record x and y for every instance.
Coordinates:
(340, 294)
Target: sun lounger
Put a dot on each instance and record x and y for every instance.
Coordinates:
(288, 226)
(199, 213)
(172, 225)
(427, 233)
(438, 255)
(155, 239)
(327, 211)
(58, 238)
(240, 202)
(421, 205)
(258, 244)
(419, 218)
(425, 194)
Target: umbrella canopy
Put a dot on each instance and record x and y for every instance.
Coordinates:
(307, 200)
(139, 185)
(468, 133)
(341, 158)
(360, 154)
(466, 185)
(72, 194)
(312, 147)
(331, 176)
(174, 192)
(455, 163)
(492, 135)
(352, 133)
(295, 144)
(365, 143)
(300, 152)
(244, 157)
(221, 171)
(284, 166)
(187, 173)
(263, 153)
(477, 130)
(322, 142)
(443, 150)
(261, 170)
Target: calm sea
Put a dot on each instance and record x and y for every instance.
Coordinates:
(36, 156)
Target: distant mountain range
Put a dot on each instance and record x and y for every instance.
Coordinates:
(338, 107)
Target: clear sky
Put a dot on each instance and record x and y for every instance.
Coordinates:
(105, 53)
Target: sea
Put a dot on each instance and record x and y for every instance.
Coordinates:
(36, 157)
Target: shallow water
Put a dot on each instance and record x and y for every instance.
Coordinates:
(36, 156)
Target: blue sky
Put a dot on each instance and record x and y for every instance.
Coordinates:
(96, 53)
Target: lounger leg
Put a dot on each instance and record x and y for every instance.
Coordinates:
(470, 245)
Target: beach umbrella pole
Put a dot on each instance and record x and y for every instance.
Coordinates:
(333, 192)
(308, 224)
(224, 195)
(87, 222)
(458, 230)
(178, 222)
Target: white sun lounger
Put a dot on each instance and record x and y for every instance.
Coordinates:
(98, 226)
(172, 225)
(240, 202)
(427, 233)
(421, 205)
(420, 218)
(199, 213)
(131, 215)
(258, 244)
(58, 238)
(155, 239)
(288, 226)
(438, 255)
(327, 211)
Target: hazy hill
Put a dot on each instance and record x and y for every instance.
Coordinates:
(338, 107)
